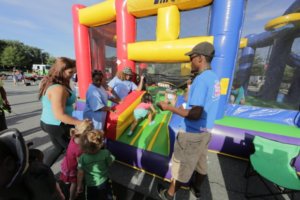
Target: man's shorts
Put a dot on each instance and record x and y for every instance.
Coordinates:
(140, 113)
(190, 154)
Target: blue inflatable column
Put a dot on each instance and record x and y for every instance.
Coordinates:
(226, 22)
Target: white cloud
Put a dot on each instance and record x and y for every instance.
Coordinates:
(267, 14)
(266, 10)
(18, 22)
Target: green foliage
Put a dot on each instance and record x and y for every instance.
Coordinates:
(258, 66)
(51, 60)
(288, 74)
(16, 54)
(13, 56)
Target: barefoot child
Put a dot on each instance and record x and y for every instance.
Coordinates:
(143, 110)
(69, 164)
(93, 167)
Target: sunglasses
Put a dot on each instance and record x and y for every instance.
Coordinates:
(193, 56)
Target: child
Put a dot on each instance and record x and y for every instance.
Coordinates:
(44, 177)
(69, 164)
(93, 166)
(141, 111)
(237, 94)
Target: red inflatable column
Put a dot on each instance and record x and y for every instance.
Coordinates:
(82, 52)
(126, 32)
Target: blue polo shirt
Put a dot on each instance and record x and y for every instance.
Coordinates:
(96, 98)
(204, 92)
(122, 88)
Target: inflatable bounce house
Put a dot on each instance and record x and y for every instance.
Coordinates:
(108, 37)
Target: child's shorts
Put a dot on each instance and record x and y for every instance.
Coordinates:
(140, 113)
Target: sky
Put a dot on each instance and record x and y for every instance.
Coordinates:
(47, 24)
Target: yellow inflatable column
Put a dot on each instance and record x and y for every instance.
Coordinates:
(168, 23)
(98, 14)
(185, 69)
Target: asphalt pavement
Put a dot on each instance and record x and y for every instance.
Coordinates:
(225, 179)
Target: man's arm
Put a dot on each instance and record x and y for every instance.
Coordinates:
(193, 114)
(3, 94)
(140, 86)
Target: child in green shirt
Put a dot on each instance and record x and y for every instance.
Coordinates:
(93, 166)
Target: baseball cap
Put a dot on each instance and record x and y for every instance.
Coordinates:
(203, 48)
(127, 70)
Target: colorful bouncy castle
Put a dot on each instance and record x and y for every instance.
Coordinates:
(107, 38)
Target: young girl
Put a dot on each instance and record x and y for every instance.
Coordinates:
(69, 164)
(141, 111)
(93, 166)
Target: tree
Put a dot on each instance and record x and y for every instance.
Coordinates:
(15, 53)
(258, 66)
(51, 60)
(13, 56)
(288, 74)
(3, 44)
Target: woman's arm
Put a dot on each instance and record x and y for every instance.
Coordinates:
(111, 90)
(58, 97)
(114, 100)
(106, 108)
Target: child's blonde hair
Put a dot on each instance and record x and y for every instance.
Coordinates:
(85, 125)
(92, 141)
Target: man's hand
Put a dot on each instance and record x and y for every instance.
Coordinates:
(189, 82)
(163, 105)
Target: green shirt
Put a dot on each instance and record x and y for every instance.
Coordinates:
(95, 167)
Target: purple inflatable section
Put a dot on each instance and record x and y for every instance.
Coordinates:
(238, 142)
(228, 140)
(146, 160)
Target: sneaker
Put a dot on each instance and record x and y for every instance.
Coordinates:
(151, 123)
(162, 193)
(195, 193)
(130, 133)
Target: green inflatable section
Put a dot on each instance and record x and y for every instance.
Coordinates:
(254, 125)
(155, 137)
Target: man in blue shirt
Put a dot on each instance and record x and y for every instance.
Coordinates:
(121, 85)
(199, 113)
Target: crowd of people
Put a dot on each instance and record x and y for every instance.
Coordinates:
(82, 142)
